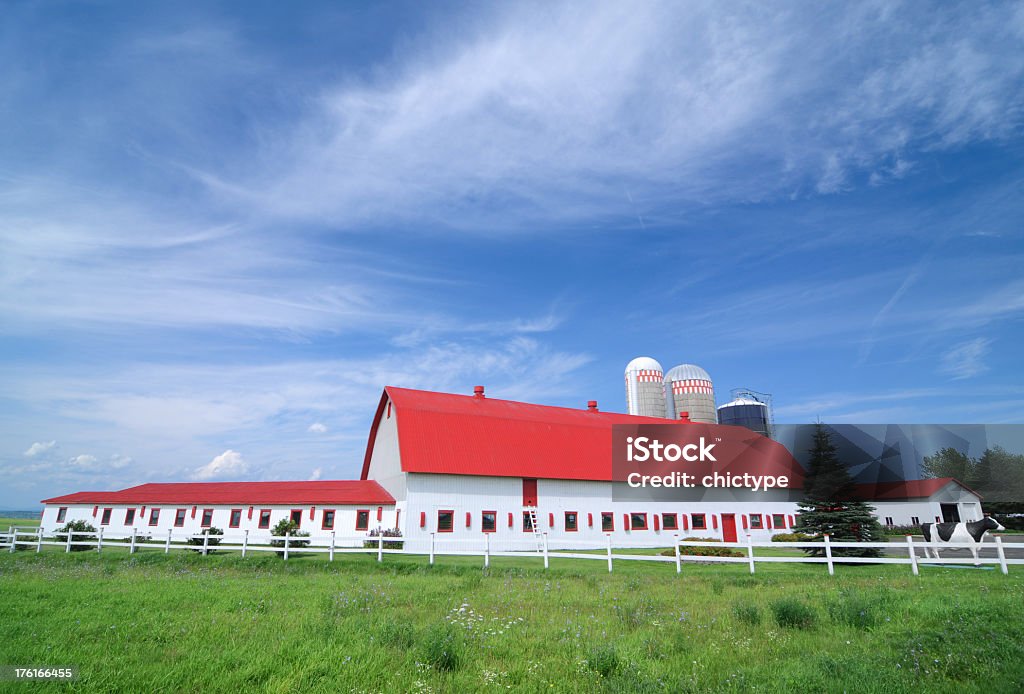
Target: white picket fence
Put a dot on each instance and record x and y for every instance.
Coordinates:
(33, 538)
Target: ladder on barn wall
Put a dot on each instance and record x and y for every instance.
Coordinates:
(537, 534)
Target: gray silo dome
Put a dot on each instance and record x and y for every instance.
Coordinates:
(685, 372)
(645, 389)
(644, 364)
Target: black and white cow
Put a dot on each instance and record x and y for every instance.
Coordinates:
(972, 532)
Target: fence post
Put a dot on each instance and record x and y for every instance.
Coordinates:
(609, 553)
(546, 562)
(245, 542)
(131, 550)
(431, 549)
(12, 535)
(167, 546)
(828, 555)
(39, 540)
(67, 547)
(206, 541)
(99, 541)
(487, 550)
(750, 552)
(330, 557)
(286, 537)
(380, 547)
(1002, 555)
(913, 555)
(679, 561)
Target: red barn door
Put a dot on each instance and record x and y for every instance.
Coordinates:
(729, 527)
(529, 492)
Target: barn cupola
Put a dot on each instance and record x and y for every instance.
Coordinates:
(684, 418)
(592, 405)
(478, 392)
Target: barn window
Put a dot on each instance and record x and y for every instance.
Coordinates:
(607, 521)
(207, 519)
(670, 521)
(179, 518)
(105, 520)
(154, 516)
(129, 516)
(888, 521)
(698, 521)
(62, 513)
(264, 518)
(236, 518)
(571, 521)
(488, 521)
(327, 522)
(779, 520)
(638, 521)
(527, 522)
(296, 517)
(445, 521)
(755, 521)
(914, 520)
(363, 519)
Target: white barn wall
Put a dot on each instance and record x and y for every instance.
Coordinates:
(430, 493)
(385, 460)
(344, 519)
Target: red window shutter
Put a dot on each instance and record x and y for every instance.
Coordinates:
(791, 522)
(423, 519)
(311, 510)
(510, 520)
(94, 510)
(193, 511)
(714, 522)
(142, 512)
(469, 519)
(768, 520)
(625, 521)
(657, 522)
(590, 520)
(250, 513)
(686, 521)
(551, 520)
(744, 522)
(380, 513)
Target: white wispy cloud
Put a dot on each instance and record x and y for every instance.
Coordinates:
(315, 475)
(83, 461)
(967, 359)
(317, 428)
(228, 464)
(40, 448)
(547, 114)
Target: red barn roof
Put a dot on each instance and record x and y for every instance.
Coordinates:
(342, 492)
(908, 489)
(476, 435)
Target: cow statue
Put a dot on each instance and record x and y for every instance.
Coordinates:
(972, 533)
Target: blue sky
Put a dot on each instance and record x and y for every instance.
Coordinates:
(225, 227)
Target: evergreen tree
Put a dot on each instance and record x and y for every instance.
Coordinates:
(830, 504)
(949, 462)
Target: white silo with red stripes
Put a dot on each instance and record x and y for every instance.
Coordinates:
(688, 388)
(645, 389)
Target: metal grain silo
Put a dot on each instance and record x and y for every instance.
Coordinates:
(688, 388)
(645, 389)
(746, 411)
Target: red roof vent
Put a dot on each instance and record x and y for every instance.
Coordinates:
(478, 392)
(685, 417)
(592, 405)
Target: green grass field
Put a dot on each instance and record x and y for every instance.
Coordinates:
(156, 623)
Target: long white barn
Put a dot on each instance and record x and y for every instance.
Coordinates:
(459, 467)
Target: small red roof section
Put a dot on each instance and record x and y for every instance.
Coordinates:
(476, 435)
(341, 492)
(908, 489)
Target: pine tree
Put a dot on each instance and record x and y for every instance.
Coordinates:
(830, 504)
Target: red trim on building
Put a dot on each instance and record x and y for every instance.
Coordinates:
(657, 523)
(743, 518)
(179, 517)
(380, 513)
(324, 525)
(154, 516)
(483, 521)
(686, 521)
(551, 521)
(363, 519)
(423, 519)
(577, 523)
(469, 519)
(714, 522)
(232, 521)
(590, 520)
(312, 510)
(261, 523)
(451, 524)
(511, 520)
